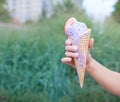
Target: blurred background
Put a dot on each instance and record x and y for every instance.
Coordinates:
(32, 44)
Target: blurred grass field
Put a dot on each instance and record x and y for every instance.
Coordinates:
(30, 62)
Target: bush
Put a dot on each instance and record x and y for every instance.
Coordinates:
(4, 14)
(116, 13)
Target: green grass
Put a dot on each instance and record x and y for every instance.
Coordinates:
(31, 68)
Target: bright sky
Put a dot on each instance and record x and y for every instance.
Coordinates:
(99, 9)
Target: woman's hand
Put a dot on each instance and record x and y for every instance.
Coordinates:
(72, 52)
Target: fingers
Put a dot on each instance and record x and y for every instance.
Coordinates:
(91, 43)
(71, 48)
(71, 54)
(66, 59)
(68, 42)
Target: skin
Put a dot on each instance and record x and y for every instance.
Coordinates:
(109, 79)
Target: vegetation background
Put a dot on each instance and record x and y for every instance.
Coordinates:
(30, 61)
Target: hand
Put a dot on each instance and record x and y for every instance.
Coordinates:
(71, 52)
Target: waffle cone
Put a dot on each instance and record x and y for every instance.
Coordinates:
(77, 32)
(83, 46)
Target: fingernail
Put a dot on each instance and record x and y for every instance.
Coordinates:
(68, 42)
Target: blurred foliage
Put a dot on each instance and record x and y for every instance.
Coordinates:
(4, 14)
(30, 62)
(116, 13)
(68, 4)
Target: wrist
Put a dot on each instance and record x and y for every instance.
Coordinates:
(89, 60)
(89, 65)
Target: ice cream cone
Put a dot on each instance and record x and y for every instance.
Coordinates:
(83, 46)
(79, 34)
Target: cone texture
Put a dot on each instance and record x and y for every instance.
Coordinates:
(83, 47)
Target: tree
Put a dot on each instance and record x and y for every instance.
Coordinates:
(4, 14)
(116, 13)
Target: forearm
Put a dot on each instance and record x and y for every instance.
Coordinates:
(108, 79)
